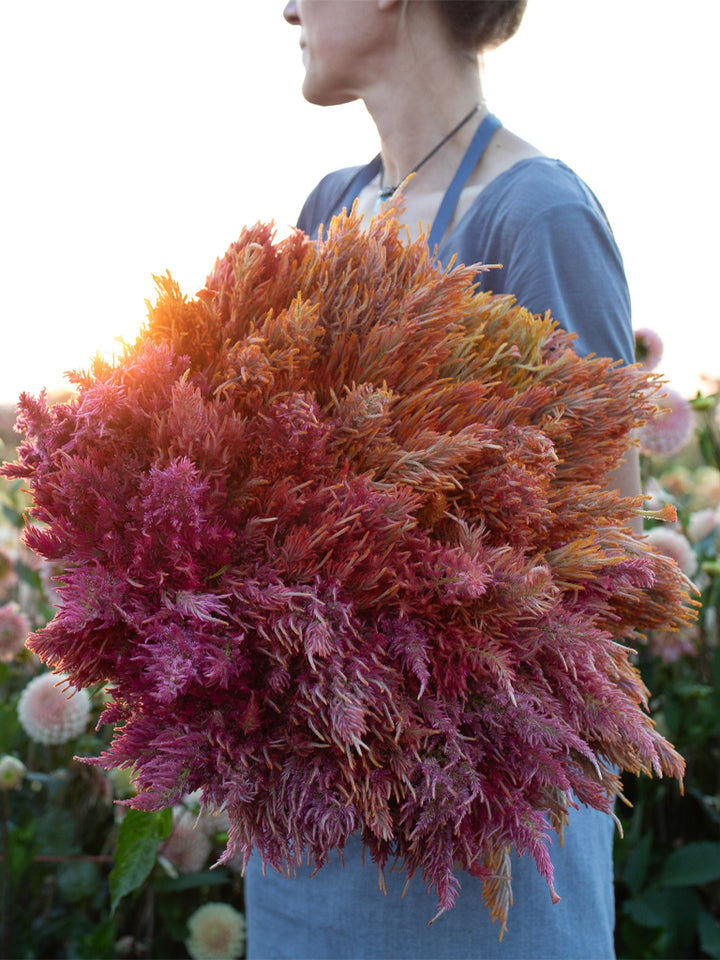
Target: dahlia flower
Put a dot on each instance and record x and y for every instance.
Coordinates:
(704, 487)
(336, 532)
(670, 646)
(674, 544)
(217, 932)
(670, 432)
(648, 348)
(188, 847)
(701, 523)
(12, 772)
(51, 711)
(14, 629)
(8, 577)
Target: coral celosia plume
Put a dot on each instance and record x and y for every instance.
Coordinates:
(336, 533)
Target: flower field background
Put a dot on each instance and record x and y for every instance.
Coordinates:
(84, 877)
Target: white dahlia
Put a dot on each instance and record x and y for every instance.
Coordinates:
(217, 932)
(51, 711)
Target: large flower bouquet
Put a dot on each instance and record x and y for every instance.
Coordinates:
(336, 534)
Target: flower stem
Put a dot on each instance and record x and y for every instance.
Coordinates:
(6, 940)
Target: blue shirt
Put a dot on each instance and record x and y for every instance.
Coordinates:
(547, 229)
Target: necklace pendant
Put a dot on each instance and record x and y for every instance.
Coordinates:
(384, 193)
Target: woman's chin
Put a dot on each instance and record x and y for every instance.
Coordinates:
(323, 94)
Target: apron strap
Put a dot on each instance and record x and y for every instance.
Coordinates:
(361, 179)
(476, 149)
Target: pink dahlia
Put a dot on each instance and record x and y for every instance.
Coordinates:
(670, 646)
(52, 711)
(701, 523)
(704, 488)
(648, 348)
(8, 577)
(188, 847)
(50, 574)
(217, 932)
(336, 534)
(671, 429)
(14, 630)
(674, 544)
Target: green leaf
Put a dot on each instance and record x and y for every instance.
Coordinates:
(100, 943)
(77, 880)
(692, 864)
(675, 912)
(139, 836)
(637, 863)
(709, 935)
(650, 910)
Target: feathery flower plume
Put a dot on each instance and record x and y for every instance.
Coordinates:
(217, 932)
(648, 348)
(14, 630)
(51, 711)
(336, 534)
(670, 432)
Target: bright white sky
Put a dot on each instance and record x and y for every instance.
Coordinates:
(139, 136)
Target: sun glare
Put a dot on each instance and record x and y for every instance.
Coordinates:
(142, 138)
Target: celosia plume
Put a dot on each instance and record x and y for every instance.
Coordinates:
(335, 531)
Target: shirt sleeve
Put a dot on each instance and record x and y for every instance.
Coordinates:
(565, 260)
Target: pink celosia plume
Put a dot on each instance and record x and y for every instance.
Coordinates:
(335, 531)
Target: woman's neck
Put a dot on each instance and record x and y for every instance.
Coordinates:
(420, 100)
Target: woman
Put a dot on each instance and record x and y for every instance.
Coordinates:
(489, 196)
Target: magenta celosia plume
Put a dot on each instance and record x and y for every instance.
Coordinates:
(335, 533)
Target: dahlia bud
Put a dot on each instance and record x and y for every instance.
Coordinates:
(12, 772)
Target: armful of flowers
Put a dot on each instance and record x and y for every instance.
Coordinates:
(334, 534)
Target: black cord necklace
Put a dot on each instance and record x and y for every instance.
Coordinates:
(384, 193)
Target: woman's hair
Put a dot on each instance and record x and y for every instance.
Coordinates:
(481, 24)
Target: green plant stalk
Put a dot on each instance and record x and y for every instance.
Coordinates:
(6, 940)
